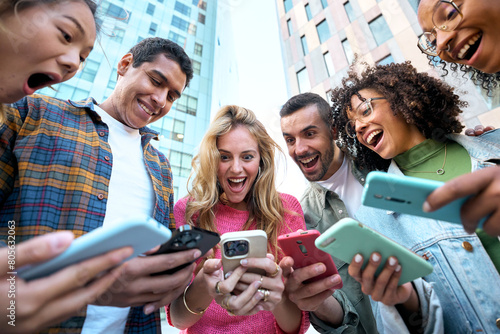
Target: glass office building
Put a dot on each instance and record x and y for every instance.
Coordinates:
(189, 23)
(320, 38)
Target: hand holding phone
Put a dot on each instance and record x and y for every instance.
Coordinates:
(184, 238)
(300, 246)
(407, 194)
(348, 237)
(236, 246)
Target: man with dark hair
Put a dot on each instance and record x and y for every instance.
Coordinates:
(334, 192)
(77, 166)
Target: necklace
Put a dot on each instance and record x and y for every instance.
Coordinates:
(440, 171)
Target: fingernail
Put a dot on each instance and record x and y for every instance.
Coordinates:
(358, 258)
(398, 268)
(375, 257)
(197, 254)
(392, 261)
(257, 284)
(149, 309)
(60, 240)
(244, 262)
(228, 274)
(320, 268)
(336, 279)
(426, 207)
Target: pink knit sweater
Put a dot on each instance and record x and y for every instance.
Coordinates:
(216, 320)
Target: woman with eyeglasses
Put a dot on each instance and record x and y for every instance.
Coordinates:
(465, 35)
(395, 119)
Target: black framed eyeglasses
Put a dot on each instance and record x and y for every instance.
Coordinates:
(446, 17)
(363, 113)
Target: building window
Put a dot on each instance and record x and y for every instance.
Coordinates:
(308, 12)
(182, 8)
(386, 60)
(90, 70)
(80, 94)
(118, 34)
(201, 18)
(303, 80)
(192, 29)
(198, 49)
(349, 11)
(152, 28)
(177, 133)
(413, 4)
(139, 39)
(348, 51)
(117, 12)
(196, 67)
(187, 104)
(151, 9)
(323, 31)
(380, 30)
(328, 63)
(112, 79)
(180, 163)
(289, 25)
(202, 5)
(324, 3)
(303, 41)
(64, 91)
(288, 5)
(180, 23)
(176, 38)
(160, 1)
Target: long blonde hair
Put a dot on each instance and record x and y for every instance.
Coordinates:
(263, 201)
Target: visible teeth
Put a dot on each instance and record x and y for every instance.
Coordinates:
(237, 180)
(369, 139)
(50, 77)
(307, 160)
(467, 46)
(146, 109)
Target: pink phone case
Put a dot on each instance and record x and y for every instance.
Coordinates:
(300, 246)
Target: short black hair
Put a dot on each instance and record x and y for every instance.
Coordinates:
(146, 51)
(304, 100)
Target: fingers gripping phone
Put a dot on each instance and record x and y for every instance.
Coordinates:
(300, 246)
(142, 233)
(184, 238)
(236, 246)
(407, 194)
(349, 237)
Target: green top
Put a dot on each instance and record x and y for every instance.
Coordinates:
(424, 159)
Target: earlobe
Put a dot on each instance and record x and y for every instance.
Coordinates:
(124, 64)
(334, 131)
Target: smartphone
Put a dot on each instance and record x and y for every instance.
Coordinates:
(407, 194)
(142, 233)
(236, 246)
(300, 246)
(349, 237)
(187, 237)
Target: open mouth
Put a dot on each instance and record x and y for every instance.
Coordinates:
(146, 109)
(470, 48)
(39, 80)
(237, 183)
(310, 161)
(374, 137)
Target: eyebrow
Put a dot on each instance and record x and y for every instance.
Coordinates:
(221, 150)
(164, 78)
(75, 21)
(307, 128)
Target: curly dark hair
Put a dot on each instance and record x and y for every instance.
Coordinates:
(428, 103)
(487, 81)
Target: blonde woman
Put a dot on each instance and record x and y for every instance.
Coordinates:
(234, 189)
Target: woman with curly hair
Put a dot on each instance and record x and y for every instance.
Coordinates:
(396, 119)
(466, 35)
(233, 189)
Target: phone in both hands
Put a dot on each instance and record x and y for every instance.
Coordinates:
(299, 245)
(348, 237)
(187, 237)
(142, 233)
(407, 194)
(236, 246)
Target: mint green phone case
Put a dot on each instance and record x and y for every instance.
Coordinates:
(349, 237)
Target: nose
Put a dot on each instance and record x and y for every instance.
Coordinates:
(443, 40)
(360, 126)
(236, 166)
(70, 60)
(300, 147)
(160, 98)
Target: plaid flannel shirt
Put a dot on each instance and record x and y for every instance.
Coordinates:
(55, 167)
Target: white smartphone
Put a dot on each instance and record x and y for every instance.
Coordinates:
(236, 246)
(142, 233)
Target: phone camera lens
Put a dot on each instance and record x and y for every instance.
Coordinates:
(242, 247)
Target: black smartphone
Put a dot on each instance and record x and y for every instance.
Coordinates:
(184, 238)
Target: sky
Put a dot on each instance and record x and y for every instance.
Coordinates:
(262, 85)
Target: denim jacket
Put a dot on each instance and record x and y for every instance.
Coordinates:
(323, 208)
(464, 277)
